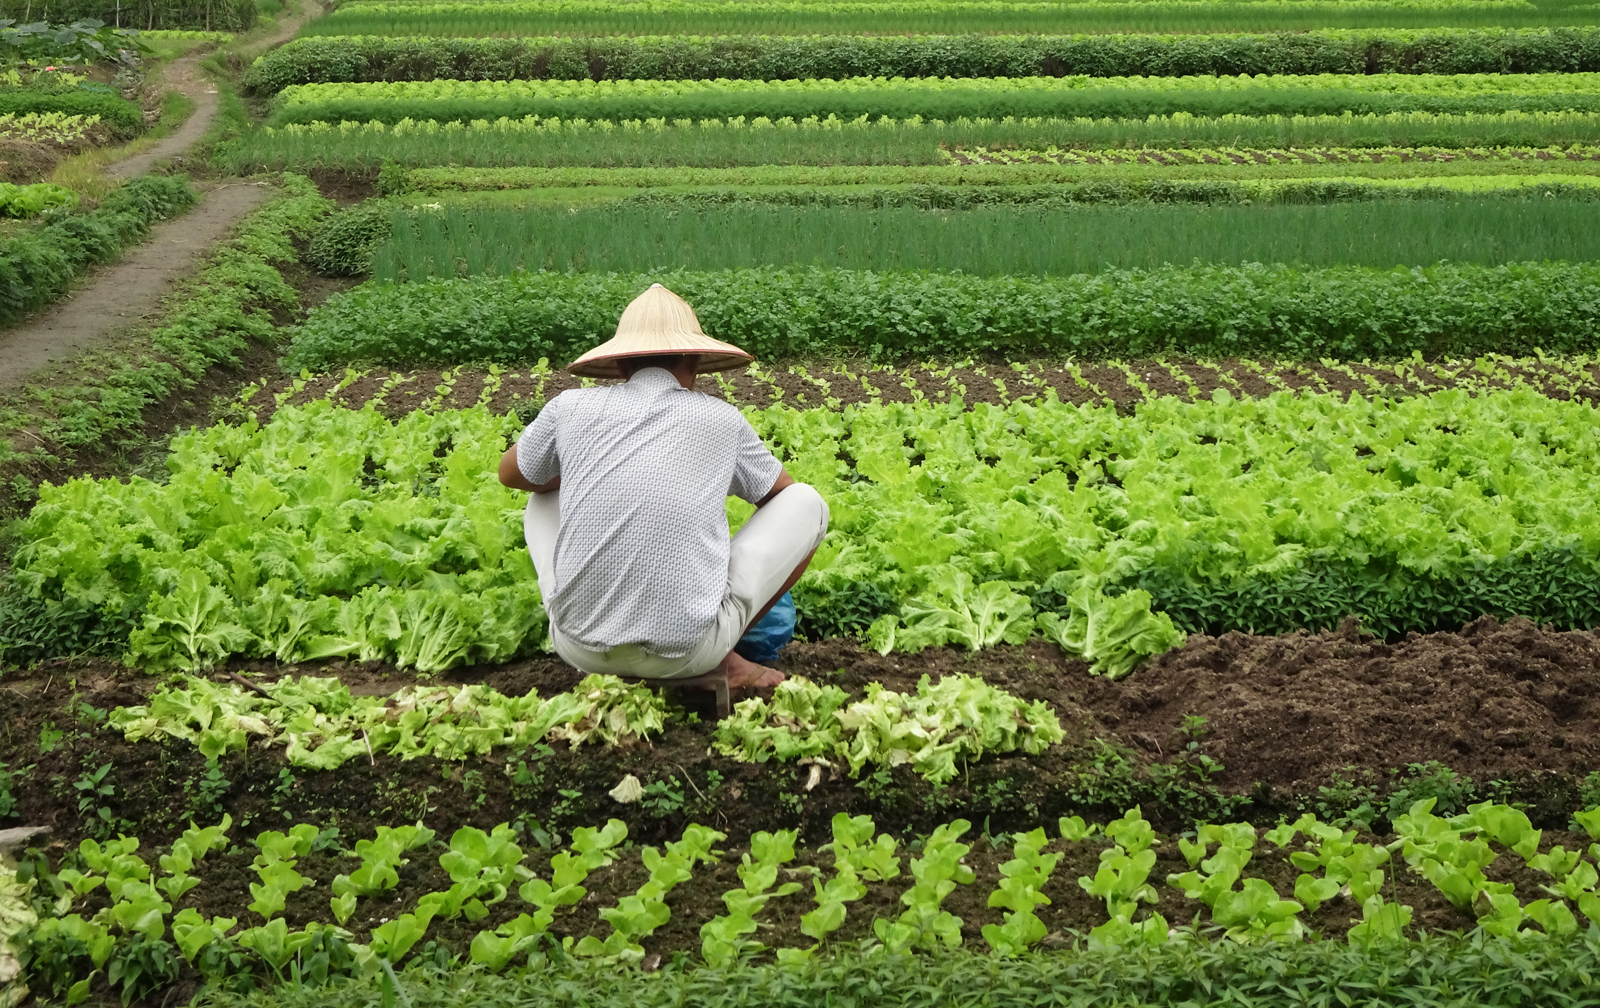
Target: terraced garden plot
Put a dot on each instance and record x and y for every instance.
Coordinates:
(808, 17)
(833, 141)
(795, 314)
(684, 783)
(184, 575)
(993, 241)
(1395, 166)
(685, 199)
(1067, 98)
(325, 59)
(838, 383)
(1172, 618)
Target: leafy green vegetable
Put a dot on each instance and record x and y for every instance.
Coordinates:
(322, 725)
(959, 718)
(272, 541)
(1112, 634)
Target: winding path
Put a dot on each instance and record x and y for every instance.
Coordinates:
(130, 290)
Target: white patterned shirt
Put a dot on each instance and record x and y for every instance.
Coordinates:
(646, 468)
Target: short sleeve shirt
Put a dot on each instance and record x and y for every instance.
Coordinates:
(646, 468)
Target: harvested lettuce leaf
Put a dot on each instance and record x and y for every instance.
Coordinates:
(800, 721)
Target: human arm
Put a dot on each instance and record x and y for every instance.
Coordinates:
(532, 462)
(511, 475)
(783, 482)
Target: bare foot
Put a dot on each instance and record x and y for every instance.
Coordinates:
(746, 674)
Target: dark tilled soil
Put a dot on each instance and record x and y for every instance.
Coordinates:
(1512, 707)
(700, 899)
(1294, 711)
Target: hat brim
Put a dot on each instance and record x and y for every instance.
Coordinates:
(594, 365)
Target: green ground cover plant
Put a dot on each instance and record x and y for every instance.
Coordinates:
(1059, 238)
(1056, 538)
(1527, 970)
(107, 906)
(833, 141)
(33, 200)
(329, 58)
(38, 265)
(945, 99)
(1213, 311)
(806, 17)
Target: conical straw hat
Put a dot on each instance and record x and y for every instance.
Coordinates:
(658, 322)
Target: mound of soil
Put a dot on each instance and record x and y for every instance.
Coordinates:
(1492, 700)
(23, 162)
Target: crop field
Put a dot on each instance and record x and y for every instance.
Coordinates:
(954, 17)
(1206, 397)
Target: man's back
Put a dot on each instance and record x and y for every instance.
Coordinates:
(645, 468)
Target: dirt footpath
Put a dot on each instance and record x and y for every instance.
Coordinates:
(131, 290)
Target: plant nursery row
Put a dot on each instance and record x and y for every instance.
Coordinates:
(313, 59)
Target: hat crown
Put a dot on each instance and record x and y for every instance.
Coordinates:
(658, 312)
(658, 322)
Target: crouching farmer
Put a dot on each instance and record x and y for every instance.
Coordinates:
(627, 523)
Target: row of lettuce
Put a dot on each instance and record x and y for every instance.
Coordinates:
(940, 99)
(935, 729)
(107, 905)
(330, 531)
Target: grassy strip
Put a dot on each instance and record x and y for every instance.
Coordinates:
(1458, 172)
(1072, 98)
(832, 141)
(1023, 171)
(38, 266)
(1055, 236)
(224, 307)
(952, 17)
(1443, 971)
(756, 57)
(1348, 312)
(1067, 196)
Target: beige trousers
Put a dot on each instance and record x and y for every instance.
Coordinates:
(761, 557)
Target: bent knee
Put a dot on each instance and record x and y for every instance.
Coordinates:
(804, 504)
